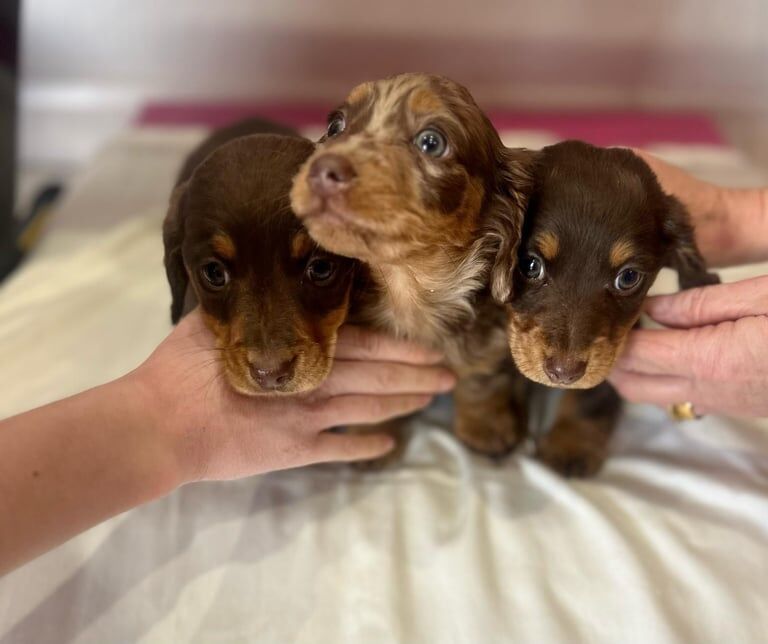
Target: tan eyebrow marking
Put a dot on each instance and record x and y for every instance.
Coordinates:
(548, 244)
(423, 100)
(360, 92)
(224, 246)
(301, 244)
(621, 251)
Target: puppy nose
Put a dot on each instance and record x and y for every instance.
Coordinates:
(330, 174)
(564, 372)
(272, 378)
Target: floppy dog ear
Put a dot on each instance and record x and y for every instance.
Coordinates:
(173, 236)
(683, 254)
(515, 184)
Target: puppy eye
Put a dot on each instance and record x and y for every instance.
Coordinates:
(532, 267)
(214, 275)
(431, 142)
(336, 125)
(321, 271)
(628, 279)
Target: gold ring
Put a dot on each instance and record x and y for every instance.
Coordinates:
(683, 411)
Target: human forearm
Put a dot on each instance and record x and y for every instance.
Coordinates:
(69, 465)
(743, 227)
(731, 223)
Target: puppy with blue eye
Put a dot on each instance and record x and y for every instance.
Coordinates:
(273, 298)
(597, 230)
(412, 179)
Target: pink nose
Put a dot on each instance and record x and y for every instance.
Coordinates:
(564, 372)
(271, 379)
(330, 174)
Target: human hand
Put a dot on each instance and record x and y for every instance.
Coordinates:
(714, 355)
(220, 434)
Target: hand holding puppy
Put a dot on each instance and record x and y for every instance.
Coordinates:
(175, 419)
(714, 353)
(221, 434)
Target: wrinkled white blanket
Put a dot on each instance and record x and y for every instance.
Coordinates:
(668, 544)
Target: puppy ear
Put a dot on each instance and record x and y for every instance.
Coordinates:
(515, 184)
(173, 237)
(683, 254)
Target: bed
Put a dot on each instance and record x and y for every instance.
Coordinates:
(668, 544)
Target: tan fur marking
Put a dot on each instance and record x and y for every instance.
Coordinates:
(223, 245)
(622, 251)
(423, 101)
(360, 93)
(529, 349)
(301, 244)
(548, 244)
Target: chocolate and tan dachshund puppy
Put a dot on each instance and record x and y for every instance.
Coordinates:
(598, 228)
(412, 179)
(273, 298)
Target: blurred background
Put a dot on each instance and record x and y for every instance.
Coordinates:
(90, 69)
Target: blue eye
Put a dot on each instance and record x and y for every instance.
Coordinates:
(431, 142)
(628, 279)
(532, 267)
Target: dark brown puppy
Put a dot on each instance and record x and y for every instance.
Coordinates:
(598, 228)
(412, 178)
(272, 297)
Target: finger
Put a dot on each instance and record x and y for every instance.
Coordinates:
(658, 390)
(367, 409)
(660, 352)
(351, 447)
(710, 304)
(357, 343)
(357, 377)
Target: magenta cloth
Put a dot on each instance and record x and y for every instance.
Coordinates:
(623, 127)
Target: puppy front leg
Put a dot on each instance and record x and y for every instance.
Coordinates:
(577, 445)
(491, 411)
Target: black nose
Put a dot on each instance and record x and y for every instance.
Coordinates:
(330, 174)
(564, 371)
(273, 378)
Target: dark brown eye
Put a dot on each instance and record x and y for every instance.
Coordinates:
(431, 142)
(532, 267)
(628, 280)
(321, 271)
(336, 125)
(214, 275)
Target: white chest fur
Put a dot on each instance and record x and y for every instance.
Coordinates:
(427, 301)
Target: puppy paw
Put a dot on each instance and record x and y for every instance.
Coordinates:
(570, 457)
(495, 439)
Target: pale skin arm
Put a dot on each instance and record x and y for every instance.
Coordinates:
(731, 223)
(74, 463)
(714, 352)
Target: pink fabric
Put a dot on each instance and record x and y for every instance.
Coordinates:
(625, 127)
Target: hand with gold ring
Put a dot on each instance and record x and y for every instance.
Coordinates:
(711, 359)
(683, 411)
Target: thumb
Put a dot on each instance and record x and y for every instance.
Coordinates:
(710, 304)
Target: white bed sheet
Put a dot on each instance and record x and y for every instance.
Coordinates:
(668, 544)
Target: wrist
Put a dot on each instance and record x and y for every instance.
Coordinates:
(165, 461)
